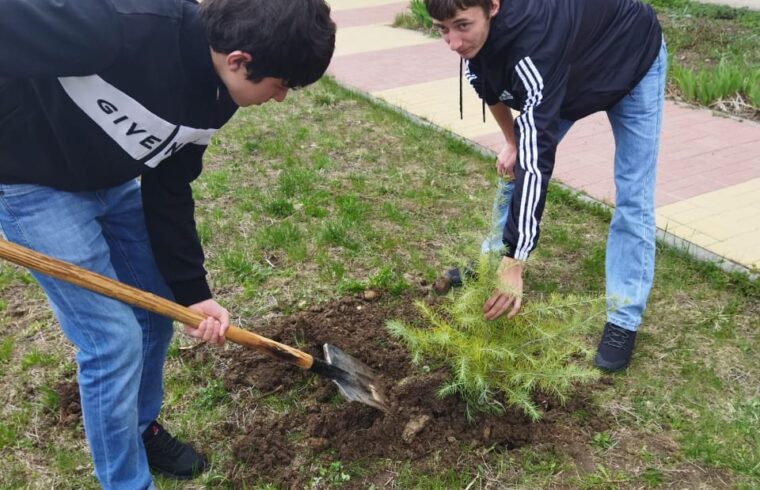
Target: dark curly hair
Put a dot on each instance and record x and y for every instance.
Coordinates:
(446, 9)
(289, 39)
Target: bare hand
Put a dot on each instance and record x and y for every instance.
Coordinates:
(508, 292)
(505, 161)
(213, 328)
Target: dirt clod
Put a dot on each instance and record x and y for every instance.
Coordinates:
(414, 426)
(442, 285)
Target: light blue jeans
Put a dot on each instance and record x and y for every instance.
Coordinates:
(120, 349)
(629, 261)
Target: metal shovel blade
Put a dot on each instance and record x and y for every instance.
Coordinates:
(355, 380)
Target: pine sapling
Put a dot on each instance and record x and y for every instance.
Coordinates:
(504, 362)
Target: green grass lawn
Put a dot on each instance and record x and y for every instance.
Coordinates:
(327, 194)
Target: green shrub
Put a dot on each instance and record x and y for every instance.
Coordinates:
(504, 361)
(709, 85)
(420, 13)
(416, 18)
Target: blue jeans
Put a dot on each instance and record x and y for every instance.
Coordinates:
(629, 261)
(120, 349)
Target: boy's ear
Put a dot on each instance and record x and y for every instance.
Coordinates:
(494, 8)
(238, 59)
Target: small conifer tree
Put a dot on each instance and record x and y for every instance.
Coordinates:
(504, 361)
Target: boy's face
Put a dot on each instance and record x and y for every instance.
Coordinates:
(231, 68)
(247, 92)
(466, 32)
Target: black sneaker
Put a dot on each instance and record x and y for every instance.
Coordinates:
(615, 348)
(170, 457)
(452, 278)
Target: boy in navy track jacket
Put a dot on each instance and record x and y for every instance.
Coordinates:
(93, 94)
(557, 61)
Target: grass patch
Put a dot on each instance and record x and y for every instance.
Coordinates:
(6, 349)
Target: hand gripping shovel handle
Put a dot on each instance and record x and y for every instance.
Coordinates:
(148, 301)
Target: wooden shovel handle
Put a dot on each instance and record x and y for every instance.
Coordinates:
(148, 301)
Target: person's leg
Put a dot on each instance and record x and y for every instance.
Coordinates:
(635, 122)
(499, 213)
(132, 258)
(105, 331)
(629, 261)
(123, 225)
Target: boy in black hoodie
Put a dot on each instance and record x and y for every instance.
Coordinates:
(556, 62)
(93, 94)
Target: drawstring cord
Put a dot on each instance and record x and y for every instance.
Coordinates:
(482, 89)
(461, 110)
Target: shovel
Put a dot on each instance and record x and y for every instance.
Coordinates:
(356, 381)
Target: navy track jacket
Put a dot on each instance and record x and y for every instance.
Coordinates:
(94, 93)
(552, 60)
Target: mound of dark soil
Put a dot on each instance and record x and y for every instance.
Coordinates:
(420, 427)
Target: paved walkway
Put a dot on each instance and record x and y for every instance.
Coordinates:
(708, 181)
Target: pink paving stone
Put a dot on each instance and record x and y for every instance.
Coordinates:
(397, 67)
(749, 153)
(722, 132)
(492, 141)
(728, 176)
(368, 15)
(663, 198)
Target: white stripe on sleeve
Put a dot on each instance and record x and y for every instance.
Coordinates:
(531, 191)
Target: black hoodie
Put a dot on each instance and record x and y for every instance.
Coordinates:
(94, 93)
(552, 60)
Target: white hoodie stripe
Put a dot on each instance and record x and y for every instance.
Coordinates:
(468, 75)
(139, 132)
(531, 192)
(524, 192)
(534, 71)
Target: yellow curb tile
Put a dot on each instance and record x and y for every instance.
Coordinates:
(725, 221)
(675, 208)
(677, 218)
(375, 37)
(750, 198)
(750, 186)
(690, 234)
(667, 223)
(438, 102)
(728, 198)
(357, 4)
(744, 248)
(723, 227)
(687, 216)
